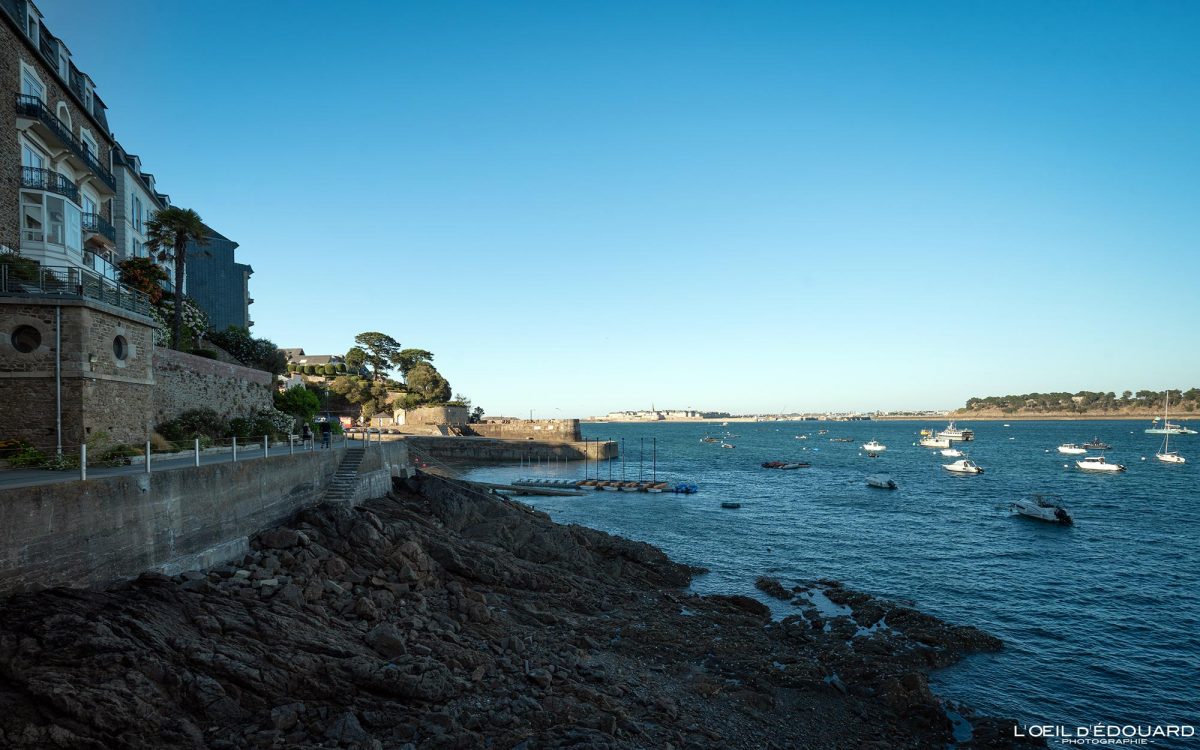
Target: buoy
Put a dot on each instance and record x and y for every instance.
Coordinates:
(1065, 466)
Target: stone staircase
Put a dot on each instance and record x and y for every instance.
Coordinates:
(341, 489)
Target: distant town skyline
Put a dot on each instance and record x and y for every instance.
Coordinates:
(754, 208)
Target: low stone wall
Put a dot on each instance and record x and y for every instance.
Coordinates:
(184, 381)
(538, 429)
(485, 450)
(89, 534)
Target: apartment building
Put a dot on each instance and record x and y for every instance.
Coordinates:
(136, 201)
(218, 283)
(56, 186)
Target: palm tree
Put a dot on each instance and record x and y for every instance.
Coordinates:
(167, 234)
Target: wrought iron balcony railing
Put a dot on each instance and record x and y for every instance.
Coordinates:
(70, 281)
(97, 224)
(48, 179)
(33, 107)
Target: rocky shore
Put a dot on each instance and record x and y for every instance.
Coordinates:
(444, 617)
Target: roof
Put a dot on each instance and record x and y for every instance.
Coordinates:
(317, 359)
(293, 352)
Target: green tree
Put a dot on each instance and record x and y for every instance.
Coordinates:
(261, 354)
(355, 358)
(427, 384)
(476, 415)
(310, 369)
(298, 401)
(167, 235)
(405, 360)
(370, 396)
(329, 370)
(380, 352)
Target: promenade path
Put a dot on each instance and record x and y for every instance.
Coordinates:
(15, 478)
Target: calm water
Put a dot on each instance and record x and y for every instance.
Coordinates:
(1101, 621)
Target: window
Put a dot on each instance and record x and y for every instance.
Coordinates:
(33, 29)
(89, 205)
(31, 157)
(64, 115)
(120, 348)
(26, 338)
(31, 85)
(89, 143)
(136, 213)
(33, 221)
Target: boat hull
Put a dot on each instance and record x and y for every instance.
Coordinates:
(1170, 458)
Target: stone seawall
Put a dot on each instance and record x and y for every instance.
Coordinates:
(185, 381)
(485, 450)
(538, 429)
(89, 534)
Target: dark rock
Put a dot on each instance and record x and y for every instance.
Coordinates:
(346, 730)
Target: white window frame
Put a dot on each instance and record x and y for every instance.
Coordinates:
(89, 140)
(58, 112)
(29, 70)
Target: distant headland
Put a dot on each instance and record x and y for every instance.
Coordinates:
(1083, 405)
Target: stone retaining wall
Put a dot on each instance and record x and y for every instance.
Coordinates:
(184, 381)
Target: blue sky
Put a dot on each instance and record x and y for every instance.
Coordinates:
(582, 207)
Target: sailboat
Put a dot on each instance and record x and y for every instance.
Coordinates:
(1166, 455)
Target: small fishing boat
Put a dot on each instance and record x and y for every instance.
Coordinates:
(1042, 509)
(1097, 445)
(874, 446)
(1097, 463)
(709, 439)
(727, 445)
(731, 506)
(963, 466)
(802, 437)
(951, 452)
(822, 432)
(882, 482)
(1071, 449)
(841, 440)
(955, 433)
(933, 441)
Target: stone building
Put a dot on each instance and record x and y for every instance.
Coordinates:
(75, 361)
(218, 283)
(56, 185)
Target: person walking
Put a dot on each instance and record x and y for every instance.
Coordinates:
(326, 433)
(306, 436)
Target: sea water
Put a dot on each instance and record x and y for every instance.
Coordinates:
(1100, 620)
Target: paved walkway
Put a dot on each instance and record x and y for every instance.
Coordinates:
(29, 477)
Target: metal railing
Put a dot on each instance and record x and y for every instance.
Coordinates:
(99, 225)
(101, 265)
(33, 107)
(50, 181)
(69, 281)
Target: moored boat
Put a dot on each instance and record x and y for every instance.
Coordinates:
(727, 445)
(1097, 445)
(1098, 463)
(882, 482)
(874, 446)
(1071, 449)
(731, 506)
(1165, 454)
(951, 452)
(1042, 509)
(933, 441)
(953, 432)
(963, 466)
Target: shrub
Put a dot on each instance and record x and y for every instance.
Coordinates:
(261, 354)
(341, 367)
(298, 402)
(27, 457)
(310, 370)
(193, 424)
(329, 371)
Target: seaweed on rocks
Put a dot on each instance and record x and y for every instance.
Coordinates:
(441, 616)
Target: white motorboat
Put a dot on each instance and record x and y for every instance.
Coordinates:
(1071, 449)
(1043, 510)
(934, 441)
(727, 445)
(1098, 463)
(953, 432)
(874, 446)
(963, 466)
(951, 452)
(881, 481)
(1167, 428)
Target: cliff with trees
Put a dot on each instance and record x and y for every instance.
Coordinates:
(1143, 403)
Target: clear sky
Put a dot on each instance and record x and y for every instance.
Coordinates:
(582, 207)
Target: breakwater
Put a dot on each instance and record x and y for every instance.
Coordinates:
(493, 450)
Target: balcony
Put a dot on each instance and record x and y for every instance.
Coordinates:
(67, 281)
(50, 181)
(97, 224)
(49, 126)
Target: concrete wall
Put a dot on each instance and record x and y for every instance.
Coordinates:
(538, 429)
(185, 381)
(89, 534)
